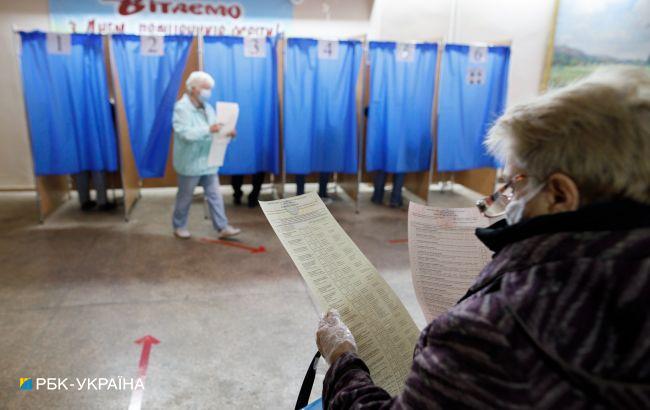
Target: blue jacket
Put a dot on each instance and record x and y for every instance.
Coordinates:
(192, 138)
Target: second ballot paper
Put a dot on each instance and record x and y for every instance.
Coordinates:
(341, 277)
(227, 115)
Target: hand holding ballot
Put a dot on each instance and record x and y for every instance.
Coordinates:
(223, 131)
(333, 337)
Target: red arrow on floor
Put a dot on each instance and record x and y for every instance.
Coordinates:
(259, 249)
(394, 241)
(146, 343)
(137, 393)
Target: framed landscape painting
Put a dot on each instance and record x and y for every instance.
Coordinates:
(595, 33)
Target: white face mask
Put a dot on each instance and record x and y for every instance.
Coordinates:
(515, 208)
(205, 94)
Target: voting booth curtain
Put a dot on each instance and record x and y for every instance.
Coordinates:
(150, 71)
(245, 72)
(67, 103)
(473, 88)
(320, 123)
(402, 80)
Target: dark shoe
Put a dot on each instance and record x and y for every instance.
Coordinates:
(88, 205)
(107, 207)
(377, 201)
(237, 199)
(396, 204)
(252, 202)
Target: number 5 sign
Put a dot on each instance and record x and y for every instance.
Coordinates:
(152, 45)
(58, 43)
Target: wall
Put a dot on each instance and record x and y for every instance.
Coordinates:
(526, 24)
(16, 170)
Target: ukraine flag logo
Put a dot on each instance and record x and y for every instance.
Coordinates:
(26, 383)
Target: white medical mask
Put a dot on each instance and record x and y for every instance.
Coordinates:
(205, 94)
(515, 208)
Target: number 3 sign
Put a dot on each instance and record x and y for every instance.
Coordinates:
(255, 47)
(58, 43)
(152, 45)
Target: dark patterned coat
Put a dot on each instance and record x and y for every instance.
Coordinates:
(560, 318)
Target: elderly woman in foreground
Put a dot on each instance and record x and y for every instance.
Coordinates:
(561, 316)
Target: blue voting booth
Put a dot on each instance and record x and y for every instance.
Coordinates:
(473, 88)
(150, 71)
(245, 72)
(67, 103)
(320, 116)
(402, 81)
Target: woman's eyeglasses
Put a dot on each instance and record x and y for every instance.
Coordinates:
(495, 205)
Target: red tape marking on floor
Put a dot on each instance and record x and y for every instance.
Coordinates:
(251, 249)
(394, 241)
(136, 396)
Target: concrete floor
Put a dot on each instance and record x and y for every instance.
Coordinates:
(236, 329)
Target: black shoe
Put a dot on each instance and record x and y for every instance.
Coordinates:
(377, 201)
(252, 202)
(107, 207)
(396, 204)
(88, 205)
(237, 199)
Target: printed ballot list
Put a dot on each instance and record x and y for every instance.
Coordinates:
(227, 115)
(445, 255)
(341, 277)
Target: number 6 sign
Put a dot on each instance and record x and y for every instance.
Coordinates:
(152, 45)
(58, 43)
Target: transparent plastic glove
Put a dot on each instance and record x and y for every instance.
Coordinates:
(333, 337)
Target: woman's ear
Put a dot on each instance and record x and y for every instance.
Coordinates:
(562, 194)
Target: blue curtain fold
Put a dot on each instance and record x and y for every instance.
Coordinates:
(252, 83)
(320, 123)
(399, 116)
(149, 87)
(472, 97)
(68, 108)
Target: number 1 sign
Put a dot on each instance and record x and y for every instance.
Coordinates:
(58, 43)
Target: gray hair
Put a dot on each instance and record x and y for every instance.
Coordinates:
(197, 78)
(596, 131)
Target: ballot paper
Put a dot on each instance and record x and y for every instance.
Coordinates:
(446, 257)
(227, 114)
(341, 277)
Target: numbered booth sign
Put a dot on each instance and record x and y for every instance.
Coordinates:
(245, 72)
(150, 70)
(473, 88)
(320, 123)
(402, 82)
(67, 103)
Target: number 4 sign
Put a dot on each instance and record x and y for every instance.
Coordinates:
(152, 45)
(328, 50)
(58, 43)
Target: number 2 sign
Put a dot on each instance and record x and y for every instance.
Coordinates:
(58, 43)
(152, 45)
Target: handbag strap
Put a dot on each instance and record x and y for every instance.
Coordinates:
(307, 383)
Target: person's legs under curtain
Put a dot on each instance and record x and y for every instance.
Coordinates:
(396, 194)
(257, 180)
(99, 181)
(210, 184)
(380, 182)
(237, 181)
(186, 185)
(300, 184)
(82, 179)
(323, 179)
